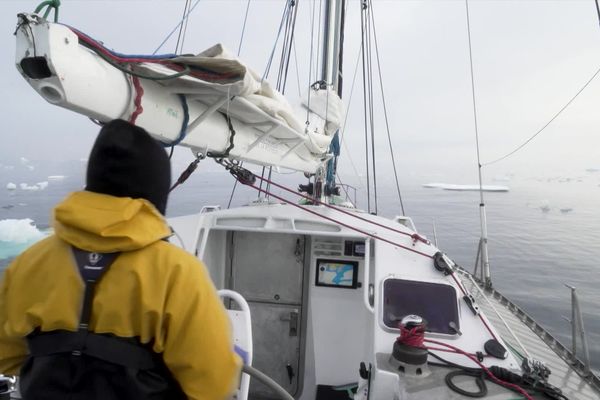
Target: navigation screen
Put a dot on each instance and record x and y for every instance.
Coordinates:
(337, 273)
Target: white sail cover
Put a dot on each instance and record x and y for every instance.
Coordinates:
(192, 110)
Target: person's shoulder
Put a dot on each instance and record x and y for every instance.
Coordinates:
(39, 255)
(176, 254)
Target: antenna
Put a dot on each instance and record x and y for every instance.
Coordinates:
(482, 250)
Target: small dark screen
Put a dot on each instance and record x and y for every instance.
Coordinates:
(433, 301)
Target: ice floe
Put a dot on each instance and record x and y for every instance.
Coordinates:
(19, 231)
(56, 177)
(11, 186)
(449, 186)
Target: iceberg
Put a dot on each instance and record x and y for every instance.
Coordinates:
(31, 188)
(469, 188)
(16, 235)
(11, 186)
(19, 231)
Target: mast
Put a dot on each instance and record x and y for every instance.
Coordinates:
(331, 77)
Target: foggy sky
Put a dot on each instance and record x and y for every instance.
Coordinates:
(530, 58)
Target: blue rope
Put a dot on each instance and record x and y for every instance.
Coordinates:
(184, 124)
(117, 54)
(177, 26)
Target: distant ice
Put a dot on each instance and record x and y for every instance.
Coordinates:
(56, 177)
(9, 167)
(16, 235)
(24, 161)
(31, 188)
(19, 231)
(30, 167)
(42, 185)
(448, 186)
(566, 210)
(11, 186)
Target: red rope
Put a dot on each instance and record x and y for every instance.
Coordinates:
(139, 92)
(357, 230)
(483, 367)
(336, 221)
(165, 62)
(412, 336)
(414, 236)
(462, 289)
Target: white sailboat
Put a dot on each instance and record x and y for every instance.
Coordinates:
(343, 303)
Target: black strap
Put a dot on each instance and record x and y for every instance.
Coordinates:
(116, 350)
(92, 266)
(122, 351)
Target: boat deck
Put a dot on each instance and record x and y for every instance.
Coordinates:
(529, 339)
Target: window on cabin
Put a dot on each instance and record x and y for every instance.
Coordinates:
(435, 302)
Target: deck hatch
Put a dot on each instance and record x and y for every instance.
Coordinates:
(436, 302)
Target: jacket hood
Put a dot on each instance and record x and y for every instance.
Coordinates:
(104, 223)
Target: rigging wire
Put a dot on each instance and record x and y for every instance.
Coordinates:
(598, 11)
(175, 28)
(312, 51)
(286, 10)
(343, 129)
(547, 123)
(371, 102)
(555, 115)
(243, 28)
(362, 28)
(387, 125)
(179, 37)
(185, 7)
(474, 101)
(238, 54)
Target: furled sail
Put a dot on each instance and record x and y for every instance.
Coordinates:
(210, 102)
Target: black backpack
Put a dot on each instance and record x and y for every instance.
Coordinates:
(82, 365)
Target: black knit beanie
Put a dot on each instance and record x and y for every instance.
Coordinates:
(127, 162)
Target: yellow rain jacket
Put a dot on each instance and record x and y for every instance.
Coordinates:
(154, 291)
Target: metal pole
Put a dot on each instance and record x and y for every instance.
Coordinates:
(487, 276)
(578, 328)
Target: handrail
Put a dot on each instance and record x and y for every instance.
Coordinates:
(512, 333)
(366, 274)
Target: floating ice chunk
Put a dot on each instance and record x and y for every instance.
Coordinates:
(448, 186)
(11, 186)
(434, 185)
(25, 186)
(545, 206)
(24, 161)
(56, 177)
(19, 231)
(42, 185)
(30, 167)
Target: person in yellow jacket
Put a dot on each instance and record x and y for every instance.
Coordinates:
(154, 294)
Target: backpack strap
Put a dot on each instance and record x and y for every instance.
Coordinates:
(92, 266)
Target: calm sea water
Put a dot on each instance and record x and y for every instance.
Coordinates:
(535, 248)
